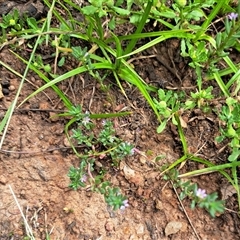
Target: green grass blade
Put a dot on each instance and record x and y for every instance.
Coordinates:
(7, 120)
(57, 15)
(66, 76)
(234, 78)
(158, 40)
(181, 134)
(140, 27)
(221, 84)
(230, 64)
(209, 19)
(236, 185)
(64, 98)
(170, 33)
(223, 72)
(6, 117)
(127, 75)
(174, 164)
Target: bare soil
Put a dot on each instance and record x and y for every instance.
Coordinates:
(35, 160)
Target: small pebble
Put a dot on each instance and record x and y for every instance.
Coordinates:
(3, 180)
(159, 204)
(5, 83)
(148, 209)
(11, 88)
(53, 116)
(109, 226)
(101, 216)
(5, 91)
(142, 159)
(66, 142)
(140, 229)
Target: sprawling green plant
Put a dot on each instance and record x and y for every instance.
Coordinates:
(110, 147)
(198, 196)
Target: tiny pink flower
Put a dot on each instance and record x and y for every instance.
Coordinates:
(201, 193)
(232, 16)
(125, 204)
(84, 178)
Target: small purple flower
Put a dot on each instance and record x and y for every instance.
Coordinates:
(132, 151)
(201, 193)
(86, 119)
(124, 204)
(84, 178)
(103, 122)
(232, 16)
(111, 139)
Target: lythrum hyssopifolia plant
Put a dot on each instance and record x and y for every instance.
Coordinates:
(102, 146)
(198, 196)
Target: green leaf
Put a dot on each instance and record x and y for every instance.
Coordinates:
(162, 126)
(32, 23)
(161, 94)
(89, 10)
(218, 39)
(219, 139)
(193, 204)
(227, 26)
(121, 11)
(135, 18)
(196, 14)
(174, 121)
(234, 156)
(168, 14)
(182, 195)
(47, 68)
(61, 62)
(112, 24)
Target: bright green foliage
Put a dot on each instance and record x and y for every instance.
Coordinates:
(212, 205)
(38, 63)
(169, 103)
(110, 147)
(230, 115)
(198, 196)
(200, 99)
(11, 20)
(106, 136)
(76, 176)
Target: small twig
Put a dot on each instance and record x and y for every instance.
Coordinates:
(37, 152)
(91, 99)
(33, 110)
(89, 172)
(230, 210)
(28, 229)
(57, 55)
(185, 212)
(45, 225)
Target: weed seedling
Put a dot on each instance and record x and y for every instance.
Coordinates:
(110, 146)
(167, 104)
(198, 196)
(230, 117)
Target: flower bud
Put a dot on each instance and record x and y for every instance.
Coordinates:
(181, 3)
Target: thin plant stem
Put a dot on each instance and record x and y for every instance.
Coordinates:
(28, 229)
